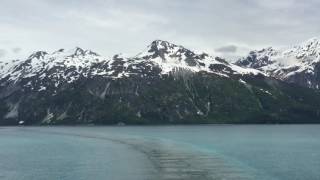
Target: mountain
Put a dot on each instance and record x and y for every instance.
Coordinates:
(299, 64)
(165, 84)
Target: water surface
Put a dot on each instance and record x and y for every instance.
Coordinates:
(267, 152)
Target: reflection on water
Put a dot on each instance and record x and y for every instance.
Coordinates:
(164, 152)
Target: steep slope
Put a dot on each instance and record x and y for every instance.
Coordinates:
(164, 84)
(299, 64)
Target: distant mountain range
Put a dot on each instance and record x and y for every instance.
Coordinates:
(299, 64)
(165, 84)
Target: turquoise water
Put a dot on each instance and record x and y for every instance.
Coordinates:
(288, 152)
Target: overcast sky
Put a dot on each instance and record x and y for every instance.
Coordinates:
(228, 27)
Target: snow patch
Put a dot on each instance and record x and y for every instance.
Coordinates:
(265, 91)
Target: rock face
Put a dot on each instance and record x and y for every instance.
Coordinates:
(299, 64)
(165, 84)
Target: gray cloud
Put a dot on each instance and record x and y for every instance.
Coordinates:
(16, 50)
(113, 26)
(227, 49)
(2, 53)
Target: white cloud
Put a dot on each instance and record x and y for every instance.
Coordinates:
(113, 26)
(116, 19)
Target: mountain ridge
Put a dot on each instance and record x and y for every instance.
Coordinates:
(160, 53)
(299, 64)
(165, 84)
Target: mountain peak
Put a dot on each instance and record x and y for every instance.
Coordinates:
(308, 50)
(38, 55)
(160, 44)
(312, 44)
(160, 47)
(165, 51)
(79, 51)
(313, 40)
(75, 52)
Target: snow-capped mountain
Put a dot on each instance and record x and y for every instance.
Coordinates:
(165, 84)
(70, 65)
(61, 64)
(169, 57)
(299, 64)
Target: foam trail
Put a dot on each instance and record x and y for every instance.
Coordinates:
(171, 161)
